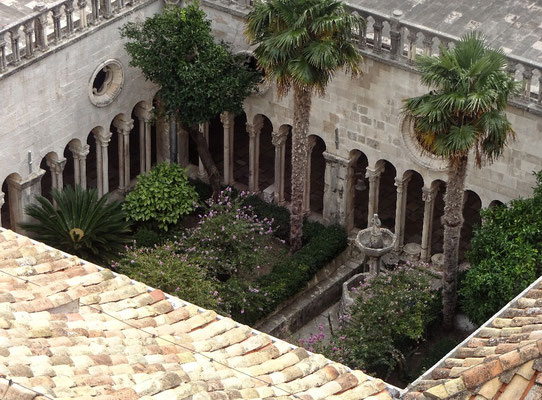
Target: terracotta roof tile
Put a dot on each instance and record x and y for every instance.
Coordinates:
(501, 360)
(69, 329)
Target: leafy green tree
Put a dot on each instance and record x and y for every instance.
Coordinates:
(161, 197)
(301, 44)
(198, 77)
(81, 224)
(464, 111)
(506, 256)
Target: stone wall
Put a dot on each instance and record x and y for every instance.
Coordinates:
(45, 104)
(365, 111)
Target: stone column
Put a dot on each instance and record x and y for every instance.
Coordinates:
(279, 141)
(57, 169)
(253, 155)
(144, 114)
(400, 211)
(205, 129)
(374, 187)
(428, 196)
(102, 161)
(335, 189)
(80, 153)
(22, 193)
(124, 127)
(227, 120)
(311, 142)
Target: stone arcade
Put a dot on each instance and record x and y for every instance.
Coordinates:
(75, 112)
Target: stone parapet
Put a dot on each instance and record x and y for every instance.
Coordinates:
(54, 26)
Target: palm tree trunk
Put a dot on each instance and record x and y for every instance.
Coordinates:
(302, 109)
(453, 221)
(206, 158)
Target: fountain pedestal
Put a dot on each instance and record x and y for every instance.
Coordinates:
(375, 242)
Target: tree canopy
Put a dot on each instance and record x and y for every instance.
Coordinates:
(199, 78)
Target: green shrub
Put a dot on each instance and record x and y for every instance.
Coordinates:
(278, 214)
(81, 224)
(506, 256)
(203, 189)
(163, 269)
(291, 275)
(391, 312)
(145, 237)
(161, 197)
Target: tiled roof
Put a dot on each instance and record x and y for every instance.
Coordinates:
(69, 329)
(501, 361)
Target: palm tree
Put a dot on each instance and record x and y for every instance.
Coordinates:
(464, 111)
(301, 44)
(81, 224)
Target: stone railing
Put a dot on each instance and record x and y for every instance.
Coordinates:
(391, 37)
(53, 24)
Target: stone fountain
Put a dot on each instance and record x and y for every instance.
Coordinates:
(375, 242)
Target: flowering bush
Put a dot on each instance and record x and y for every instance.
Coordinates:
(173, 273)
(390, 313)
(213, 264)
(229, 240)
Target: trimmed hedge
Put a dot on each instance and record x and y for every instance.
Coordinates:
(290, 276)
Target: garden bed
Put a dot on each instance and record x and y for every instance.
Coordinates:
(231, 255)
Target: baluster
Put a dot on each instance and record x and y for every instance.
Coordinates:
(40, 25)
(377, 38)
(362, 40)
(120, 5)
(68, 9)
(106, 9)
(15, 54)
(56, 24)
(412, 38)
(539, 100)
(395, 35)
(427, 44)
(82, 14)
(28, 30)
(3, 61)
(526, 83)
(511, 69)
(95, 6)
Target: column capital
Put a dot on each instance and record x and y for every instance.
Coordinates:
(79, 151)
(400, 183)
(251, 130)
(226, 118)
(145, 112)
(124, 126)
(2, 200)
(56, 166)
(103, 138)
(374, 173)
(428, 194)
(279, 138)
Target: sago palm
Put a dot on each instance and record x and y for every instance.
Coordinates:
(301, 44)
(81, 224)
(464, 112)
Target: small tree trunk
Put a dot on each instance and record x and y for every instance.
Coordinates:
(206, 158)
(453, 221)
(302, 108)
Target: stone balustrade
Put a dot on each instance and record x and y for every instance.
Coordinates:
(54, 24)
(389, 36)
